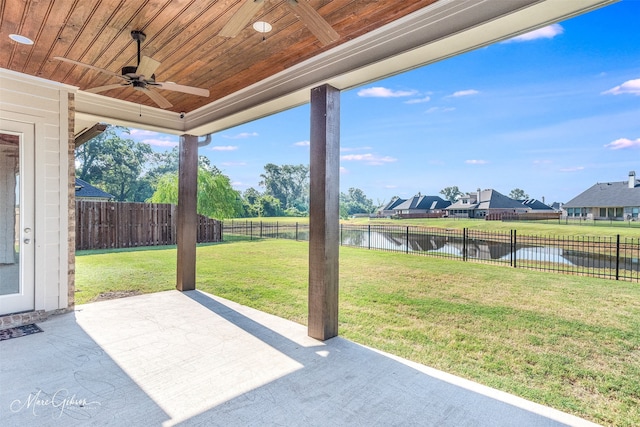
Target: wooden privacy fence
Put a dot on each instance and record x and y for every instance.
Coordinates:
(106, 225)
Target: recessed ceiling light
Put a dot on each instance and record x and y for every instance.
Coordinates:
(20, 39)
(262, 27)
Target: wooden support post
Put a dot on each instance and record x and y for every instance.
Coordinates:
(187, 216)
(324, 212)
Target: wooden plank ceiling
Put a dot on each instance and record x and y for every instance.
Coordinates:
(182, 34)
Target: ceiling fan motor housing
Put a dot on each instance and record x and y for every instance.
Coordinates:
(138, 84)
(132, 70)
(129, 69)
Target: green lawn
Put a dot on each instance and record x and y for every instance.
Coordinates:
(569, 342)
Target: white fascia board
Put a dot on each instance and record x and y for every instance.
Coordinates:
(37, 81)
(91, 107)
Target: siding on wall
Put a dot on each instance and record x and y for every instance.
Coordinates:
(46, 105)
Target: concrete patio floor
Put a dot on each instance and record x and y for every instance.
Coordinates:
(191, 358)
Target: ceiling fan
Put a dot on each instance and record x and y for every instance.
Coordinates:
(140, 77)
(301, 8)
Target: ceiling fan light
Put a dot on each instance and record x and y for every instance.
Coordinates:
(262, 27)
(20, 39)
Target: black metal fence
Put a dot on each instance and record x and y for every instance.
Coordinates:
(605, 257)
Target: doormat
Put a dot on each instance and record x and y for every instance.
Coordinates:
(19, 331)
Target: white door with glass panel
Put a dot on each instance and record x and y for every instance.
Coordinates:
(16, 217)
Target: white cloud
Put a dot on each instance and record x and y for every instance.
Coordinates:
(547, 32)
(630, 86)
(476, 162)
(390, 186)
(572, 169)
(368, 158)
(155, 139)
(383, 92)
(623, 143)
(418, 100)
(343, 170)
(224, 148)
(234, 164)
(467, 92)
(140, 132)
(302, 144)
(440, 110)
(159, 142)
(242, 135)
(349, 149)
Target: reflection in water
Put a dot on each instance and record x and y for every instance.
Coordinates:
(451, 244)
(483, 249)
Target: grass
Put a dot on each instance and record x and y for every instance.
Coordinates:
(569, 342)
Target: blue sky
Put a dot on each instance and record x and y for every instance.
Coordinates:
(551, 112)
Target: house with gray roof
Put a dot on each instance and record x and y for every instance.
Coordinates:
(86, 191)
(388, 209)
(536, 205)
(557, 206)
(420, 204)
(606, 200)
(485, 202)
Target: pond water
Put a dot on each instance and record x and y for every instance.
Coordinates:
(566, 253)
(484, 249)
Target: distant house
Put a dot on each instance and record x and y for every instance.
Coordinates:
(420, 205)
(557, 206)
(485, 202)
(86, 191)
(606, 200)
(536, 205)
(388, 209)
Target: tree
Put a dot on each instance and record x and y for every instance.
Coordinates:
(251, 195)
(216, 197)
(287, 183)
(168, 162)
(267, 205)
(451, 193)
(257, 204)
(518, 194)
(115, 164)
(354, 202)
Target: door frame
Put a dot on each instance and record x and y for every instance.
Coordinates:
(24, 300)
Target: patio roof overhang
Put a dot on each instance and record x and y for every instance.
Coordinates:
(438, 31)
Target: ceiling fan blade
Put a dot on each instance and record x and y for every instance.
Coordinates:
(82, 64)
(157, 98)
(106, 88)
(241, 18)
(182, 88)
(147, 67)
(314, 22)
